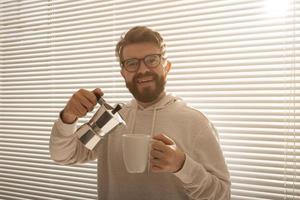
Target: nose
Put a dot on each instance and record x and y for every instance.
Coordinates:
(143, 68)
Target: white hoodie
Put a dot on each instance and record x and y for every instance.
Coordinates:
(204, 174)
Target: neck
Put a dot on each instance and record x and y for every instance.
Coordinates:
(147, 104)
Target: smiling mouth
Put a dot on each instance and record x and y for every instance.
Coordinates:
(144, 80)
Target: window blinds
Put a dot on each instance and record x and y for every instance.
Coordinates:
(236, 61)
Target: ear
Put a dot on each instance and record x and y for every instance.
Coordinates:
(167, 67)
(122, 73)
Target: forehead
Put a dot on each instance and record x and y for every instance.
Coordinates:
(140, 50)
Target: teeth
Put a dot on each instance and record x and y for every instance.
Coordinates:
(144, 80)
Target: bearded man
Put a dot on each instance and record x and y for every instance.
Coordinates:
(186, 161)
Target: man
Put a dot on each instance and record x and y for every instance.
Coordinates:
(186, 161)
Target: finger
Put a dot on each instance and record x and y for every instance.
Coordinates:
(156, 169)
(90, 96)
(159, 146)
(79, 110)
(154, 161)
(157, 154)
(155, 164)
(84, 102)
(98, 92)
(158, 162)
(74, 107)
(165, 139)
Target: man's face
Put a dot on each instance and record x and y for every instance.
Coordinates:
(146, 84)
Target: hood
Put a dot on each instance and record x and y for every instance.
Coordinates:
(164, 102)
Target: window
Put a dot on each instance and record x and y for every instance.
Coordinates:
(236, 61)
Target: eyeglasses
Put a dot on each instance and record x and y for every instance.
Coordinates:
(133, 64)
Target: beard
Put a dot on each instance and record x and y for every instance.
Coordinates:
(148, 94)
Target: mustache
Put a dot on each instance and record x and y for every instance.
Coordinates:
(140, 75)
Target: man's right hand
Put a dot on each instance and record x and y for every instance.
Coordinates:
(81, 102)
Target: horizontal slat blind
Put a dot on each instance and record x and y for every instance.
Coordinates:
(236, 61)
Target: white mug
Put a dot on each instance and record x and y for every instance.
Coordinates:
(136, 152)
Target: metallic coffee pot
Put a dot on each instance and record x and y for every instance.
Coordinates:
(104, 120)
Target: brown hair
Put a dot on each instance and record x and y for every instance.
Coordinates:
(139, 34)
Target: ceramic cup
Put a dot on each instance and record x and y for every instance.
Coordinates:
(136, 152)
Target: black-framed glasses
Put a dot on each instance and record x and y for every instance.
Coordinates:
(133, 64)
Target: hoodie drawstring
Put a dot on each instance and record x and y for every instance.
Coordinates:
(132, 124)
(132, 127)
(152, 134)
(153, 122)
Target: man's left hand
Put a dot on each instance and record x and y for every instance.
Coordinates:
(165, 156)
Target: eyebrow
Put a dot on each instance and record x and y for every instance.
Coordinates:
(142, 57)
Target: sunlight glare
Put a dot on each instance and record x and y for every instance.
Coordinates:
(276, 8)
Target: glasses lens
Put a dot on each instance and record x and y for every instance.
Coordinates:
(152, 60)
(131, 64)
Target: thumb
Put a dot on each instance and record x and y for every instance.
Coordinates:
(98, 92)
(165, 139)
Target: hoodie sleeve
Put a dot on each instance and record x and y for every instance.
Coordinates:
(65, 148)
(204, 173)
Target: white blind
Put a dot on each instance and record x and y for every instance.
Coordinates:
(237, 61)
